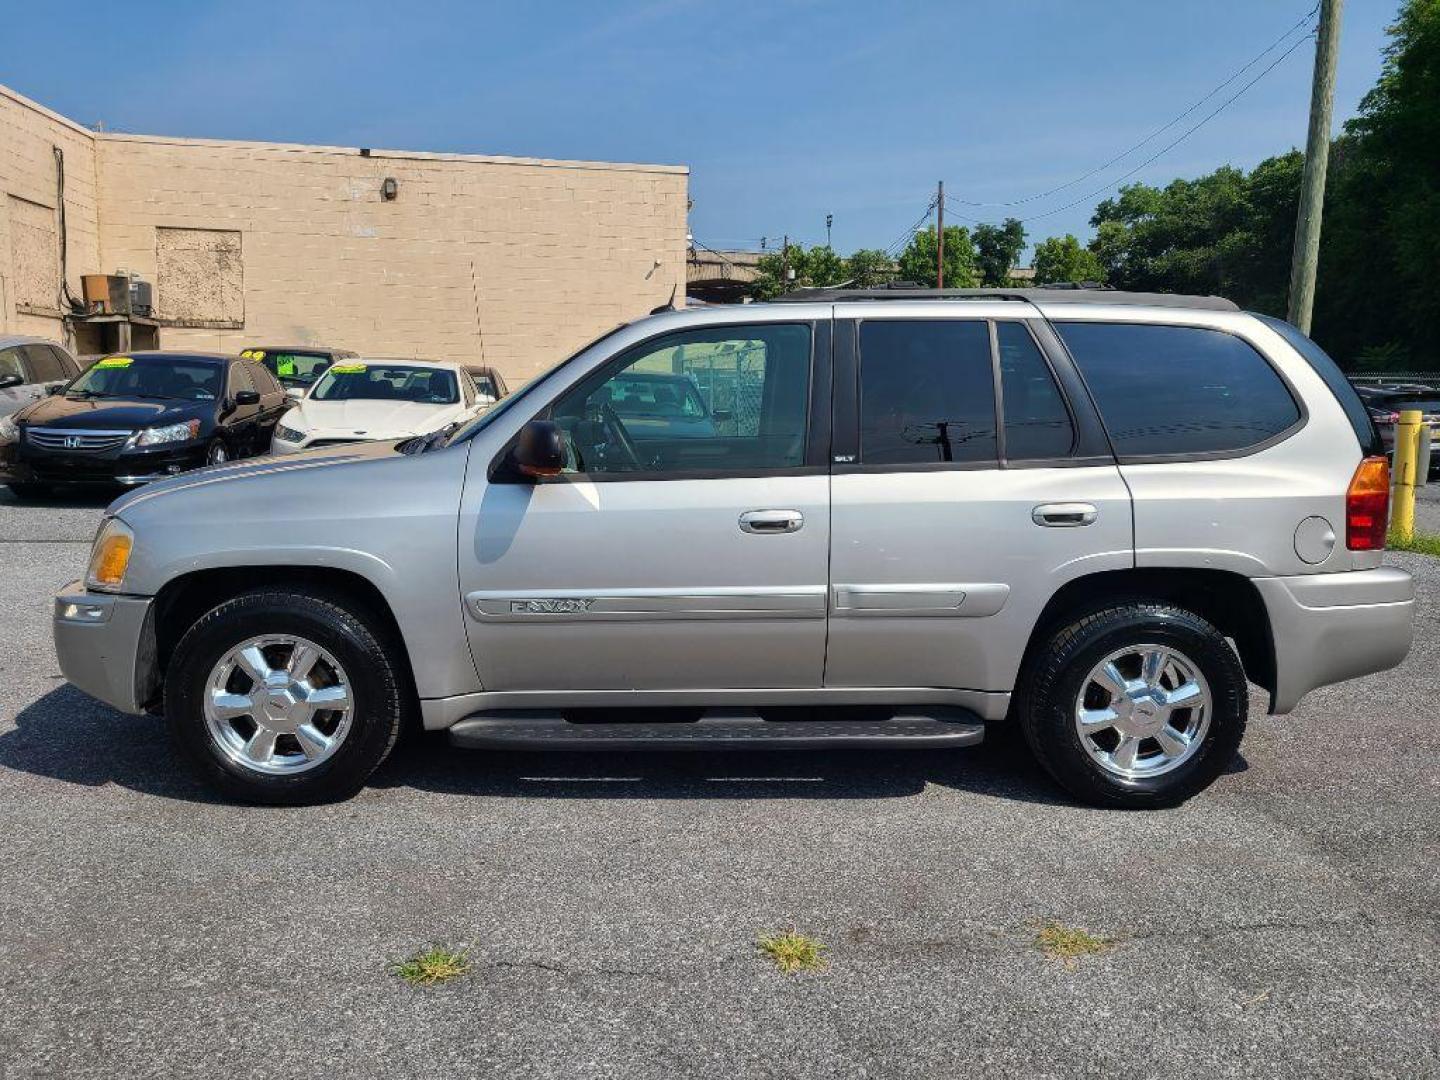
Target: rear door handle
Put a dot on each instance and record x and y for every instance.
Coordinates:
(1064, 515)
(771, 521)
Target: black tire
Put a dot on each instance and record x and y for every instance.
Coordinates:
(30, 490)
(216, 453)
(351, 636)
(1054, 678)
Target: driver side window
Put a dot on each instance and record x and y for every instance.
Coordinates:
(722, 399)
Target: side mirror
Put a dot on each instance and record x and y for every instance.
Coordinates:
(58, 388)
(540, 449)
(247, 397)
(7, 381)
(295, 393)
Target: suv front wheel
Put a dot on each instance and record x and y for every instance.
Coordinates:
(1136, 706)
(284, 697)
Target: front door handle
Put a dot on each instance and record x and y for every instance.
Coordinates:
(1064, 515)
(771, 521)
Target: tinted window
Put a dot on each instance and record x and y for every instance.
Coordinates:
(66, 362)
(352, 380)
(44, 367)
(1334, 378)
(263, 380)
(1178, 389)
(153, 377)
(725, 399)
(1037, 424)
(927, 392)
(10, 364)
(240, 378)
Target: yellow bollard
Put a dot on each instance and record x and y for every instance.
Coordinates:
(1407, 449)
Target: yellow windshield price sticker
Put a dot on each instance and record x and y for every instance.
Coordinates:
(253, 354)
(284, 365)
(114, 362)
(348, 369)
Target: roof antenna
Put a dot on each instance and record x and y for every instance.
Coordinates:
(669, 305)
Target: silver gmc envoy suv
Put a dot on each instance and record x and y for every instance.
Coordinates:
(862, 519)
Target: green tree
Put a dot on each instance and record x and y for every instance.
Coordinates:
(1061, 258)
(869, 267)
(918, 261)
(808, 269)
(1381, 239)
(998, 250)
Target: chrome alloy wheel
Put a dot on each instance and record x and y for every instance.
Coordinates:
(278, 704)
(1143, 711)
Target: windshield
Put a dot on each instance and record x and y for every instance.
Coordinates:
(505, 404)
(170, 377)
(638, 396)
(291, 368)
(357, 381)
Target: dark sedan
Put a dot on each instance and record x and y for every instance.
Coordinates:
(140, 417)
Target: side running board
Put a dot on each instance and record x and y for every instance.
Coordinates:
(729, 729)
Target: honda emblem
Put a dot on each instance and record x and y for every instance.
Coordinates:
(72, 442)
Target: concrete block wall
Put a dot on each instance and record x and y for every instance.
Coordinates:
(29, 214)
(513, 261)
(517, 262)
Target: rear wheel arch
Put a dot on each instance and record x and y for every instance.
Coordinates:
(1227, 600)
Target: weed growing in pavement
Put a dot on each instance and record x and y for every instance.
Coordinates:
(432, 966)
(1068, 943)
(792, 952)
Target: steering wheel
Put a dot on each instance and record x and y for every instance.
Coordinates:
(617, 435)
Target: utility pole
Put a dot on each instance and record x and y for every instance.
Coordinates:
(940, 236)
(829, 220)
(1306, 254)
(785, 264)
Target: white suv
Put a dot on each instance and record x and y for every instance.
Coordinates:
(858, 520)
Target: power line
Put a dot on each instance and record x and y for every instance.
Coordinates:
(1158, 131)
(897, 246)
(1170, 146)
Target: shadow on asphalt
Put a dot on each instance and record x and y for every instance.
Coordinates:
(69, 736)
(81, 497)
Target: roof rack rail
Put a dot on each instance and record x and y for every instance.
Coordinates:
(1059, 293)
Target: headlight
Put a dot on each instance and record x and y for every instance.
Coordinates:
(110, 556)
(153, 436)
(9, 430)
(288, 434)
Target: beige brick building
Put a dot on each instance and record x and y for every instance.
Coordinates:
(509, 261)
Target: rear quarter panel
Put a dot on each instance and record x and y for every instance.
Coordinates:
(1241, 513)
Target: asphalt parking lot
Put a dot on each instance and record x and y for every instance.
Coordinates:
(1282, 924)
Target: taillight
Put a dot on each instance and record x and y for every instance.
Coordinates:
(1367, 505)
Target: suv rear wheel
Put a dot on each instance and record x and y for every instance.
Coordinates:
(284, 698)
(1140, 705)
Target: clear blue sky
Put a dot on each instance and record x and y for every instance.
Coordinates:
(783, 109)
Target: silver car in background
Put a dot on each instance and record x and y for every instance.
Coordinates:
(1095, 515)
(30, 368)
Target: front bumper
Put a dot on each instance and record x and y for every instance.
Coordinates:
(1331, 627)
(106, 646)
(131, 466)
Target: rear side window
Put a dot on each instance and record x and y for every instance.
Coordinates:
(66, 362)
(1334, 378)
(1037, 424)
(44, 364)
(927, 392)
(1166, 390)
